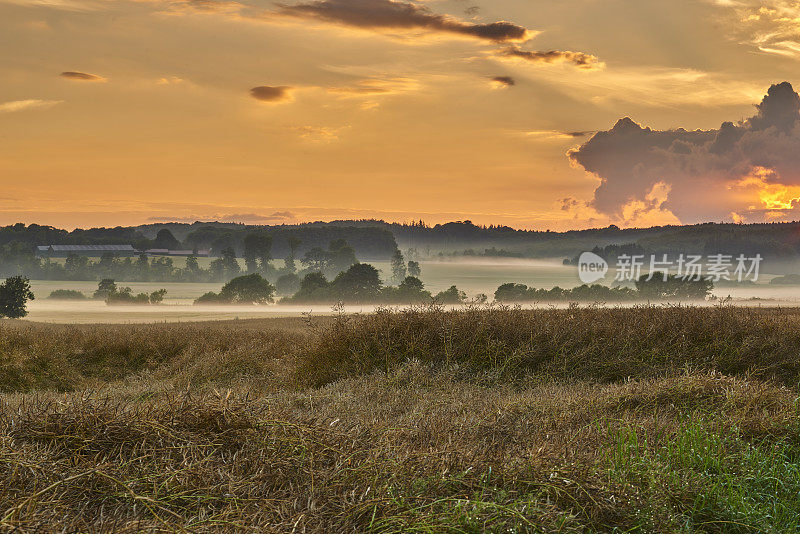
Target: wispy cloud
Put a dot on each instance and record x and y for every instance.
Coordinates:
(377, 86)
(542, 135)
(770, 26)
(319, 134)
(65, 5)
(22, 105)
(82, 76)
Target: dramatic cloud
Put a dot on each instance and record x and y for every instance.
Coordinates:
(747, 171)
(81, 76)
(267, 93)
(21, 105)
(396, 15)
(503, 81)
(579, 59)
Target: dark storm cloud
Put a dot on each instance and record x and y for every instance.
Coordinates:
(579, 59)
(702, 168)
(267, 93)
(508, 81)
(394, 15)
(81, 76)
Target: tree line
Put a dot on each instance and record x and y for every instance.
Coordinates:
(257, 245)
(361, 284)
(646, 287)
(257, 253)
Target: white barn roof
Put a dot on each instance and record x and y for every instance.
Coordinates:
(92, 248)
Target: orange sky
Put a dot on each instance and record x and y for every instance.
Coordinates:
(129, 111)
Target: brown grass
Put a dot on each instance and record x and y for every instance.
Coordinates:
(427, 421)
(578, 343)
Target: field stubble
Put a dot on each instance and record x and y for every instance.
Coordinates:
(644, 419)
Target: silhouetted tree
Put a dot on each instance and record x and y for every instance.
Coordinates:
(15, 293)
(193, 266)
(257, 249)
(398, 266)
(125, 296)
(312, 282)
(316, 259)
(341, 255)
(66, 294)
(293, 243)
(142, 267)
(104, 289)
(226, 266)
(165, 239)
(674, 287)
(288, 284)
(157, 297)
(411, 291)
(414, 269)
(360, 283)
(248, 289)
(451, 296)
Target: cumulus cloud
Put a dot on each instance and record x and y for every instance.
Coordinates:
(502, 81)
(579, 59)
(750, 168)
(21, 105)
(82, 76)
(397, 15)
(269, 93)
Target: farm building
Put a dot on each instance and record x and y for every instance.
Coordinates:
(62, 251)
(166, 252)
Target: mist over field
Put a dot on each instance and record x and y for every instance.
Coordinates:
(475, 276)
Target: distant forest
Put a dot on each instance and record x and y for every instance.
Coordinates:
(371, 240)
(775, 241)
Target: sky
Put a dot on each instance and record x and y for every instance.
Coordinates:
(533, 114)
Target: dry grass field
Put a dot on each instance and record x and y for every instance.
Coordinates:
(649, 419)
